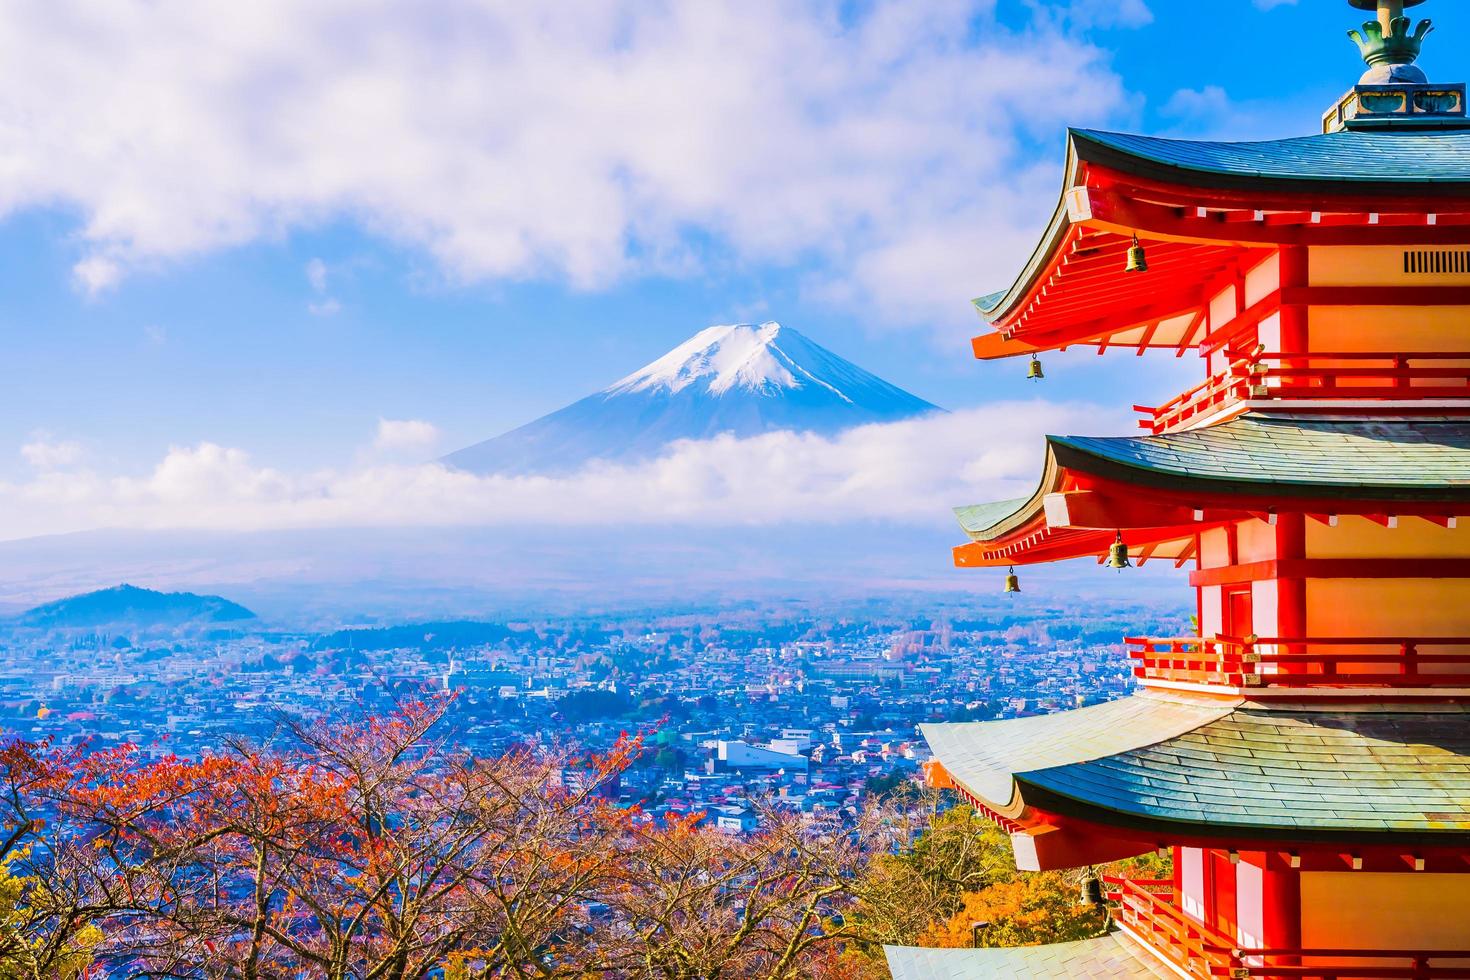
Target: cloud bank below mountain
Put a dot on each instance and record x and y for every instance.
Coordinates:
(908, 472)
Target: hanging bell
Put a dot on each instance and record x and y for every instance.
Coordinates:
(1137, 261)
(1092, 890)
(1118, 554)
(1013, 581)
(1034, 371)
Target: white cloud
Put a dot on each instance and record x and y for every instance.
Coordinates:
(584, 141)
(1096, 13)
(45, 453)
(908, 471)
(1273, 4)
(96, 274)
(1189, 104)
(405, 435)
(316, 274)
(1211, 113)
(155, 334)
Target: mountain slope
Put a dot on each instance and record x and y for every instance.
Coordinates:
(132, 606)
(740, 379)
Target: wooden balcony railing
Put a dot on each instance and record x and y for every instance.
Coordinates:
(1296, 377)
(1251, 661)
(1151, 911)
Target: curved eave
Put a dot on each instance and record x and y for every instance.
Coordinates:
(988, 759)
(990, 522)
(994, 307)
(1019, 531)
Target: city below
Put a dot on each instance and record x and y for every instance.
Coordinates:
(813, 710)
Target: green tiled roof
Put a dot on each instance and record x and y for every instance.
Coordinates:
(1249, 770)
(989, 301)
(1336, 158)
(1296, 455)
(984, 756)
(1423, 460)
(1314, 771)
(978, 517)
(1111, 957)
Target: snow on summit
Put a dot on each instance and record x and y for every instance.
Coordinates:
(740, 379)
(756, 358)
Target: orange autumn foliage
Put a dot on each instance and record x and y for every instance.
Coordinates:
(372, 850)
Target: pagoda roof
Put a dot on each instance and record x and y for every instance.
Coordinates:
(1206, 210)
(987, 765)
(1248, 771)
(1353, 458)
(1110, 957)
(1255, 460)
(1393, 162)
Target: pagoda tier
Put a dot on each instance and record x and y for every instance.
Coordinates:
(1379, 785)
(1207, 213)
(1162, 492)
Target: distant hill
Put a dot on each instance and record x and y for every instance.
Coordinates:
(741, 379)
(132, 606)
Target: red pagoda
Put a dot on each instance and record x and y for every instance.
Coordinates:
(1306, 757)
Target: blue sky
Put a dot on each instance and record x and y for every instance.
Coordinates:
(265, 230)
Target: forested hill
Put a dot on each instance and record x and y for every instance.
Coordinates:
(128, 605)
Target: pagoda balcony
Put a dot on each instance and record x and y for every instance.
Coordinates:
(1263, 381)
(1150, 911)
(1296, 663)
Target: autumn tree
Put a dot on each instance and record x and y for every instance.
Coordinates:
(373, 849)
(941, 853)
(690, 902)
(54, 889)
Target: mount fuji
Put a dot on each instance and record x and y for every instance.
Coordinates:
(739, 379)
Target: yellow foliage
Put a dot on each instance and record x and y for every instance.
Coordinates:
(29, 946)
(1027, 911)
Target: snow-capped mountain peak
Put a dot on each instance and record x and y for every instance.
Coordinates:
(742, 356)
(737, 379)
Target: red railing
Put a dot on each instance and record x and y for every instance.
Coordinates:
(1151, 912)
(1393, 662)
(1347, 376)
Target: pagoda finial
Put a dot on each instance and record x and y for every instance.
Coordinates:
(1387, 44)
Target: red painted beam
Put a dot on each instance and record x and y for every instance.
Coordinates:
(1335, 568)
(1113, 209)
(1265, 199)
(1376, 295)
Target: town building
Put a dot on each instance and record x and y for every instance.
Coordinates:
(1305, 757)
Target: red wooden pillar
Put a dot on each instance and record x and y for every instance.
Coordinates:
(1291, 530)
(1291, 593)
(1295, 335)
(1281, 905)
